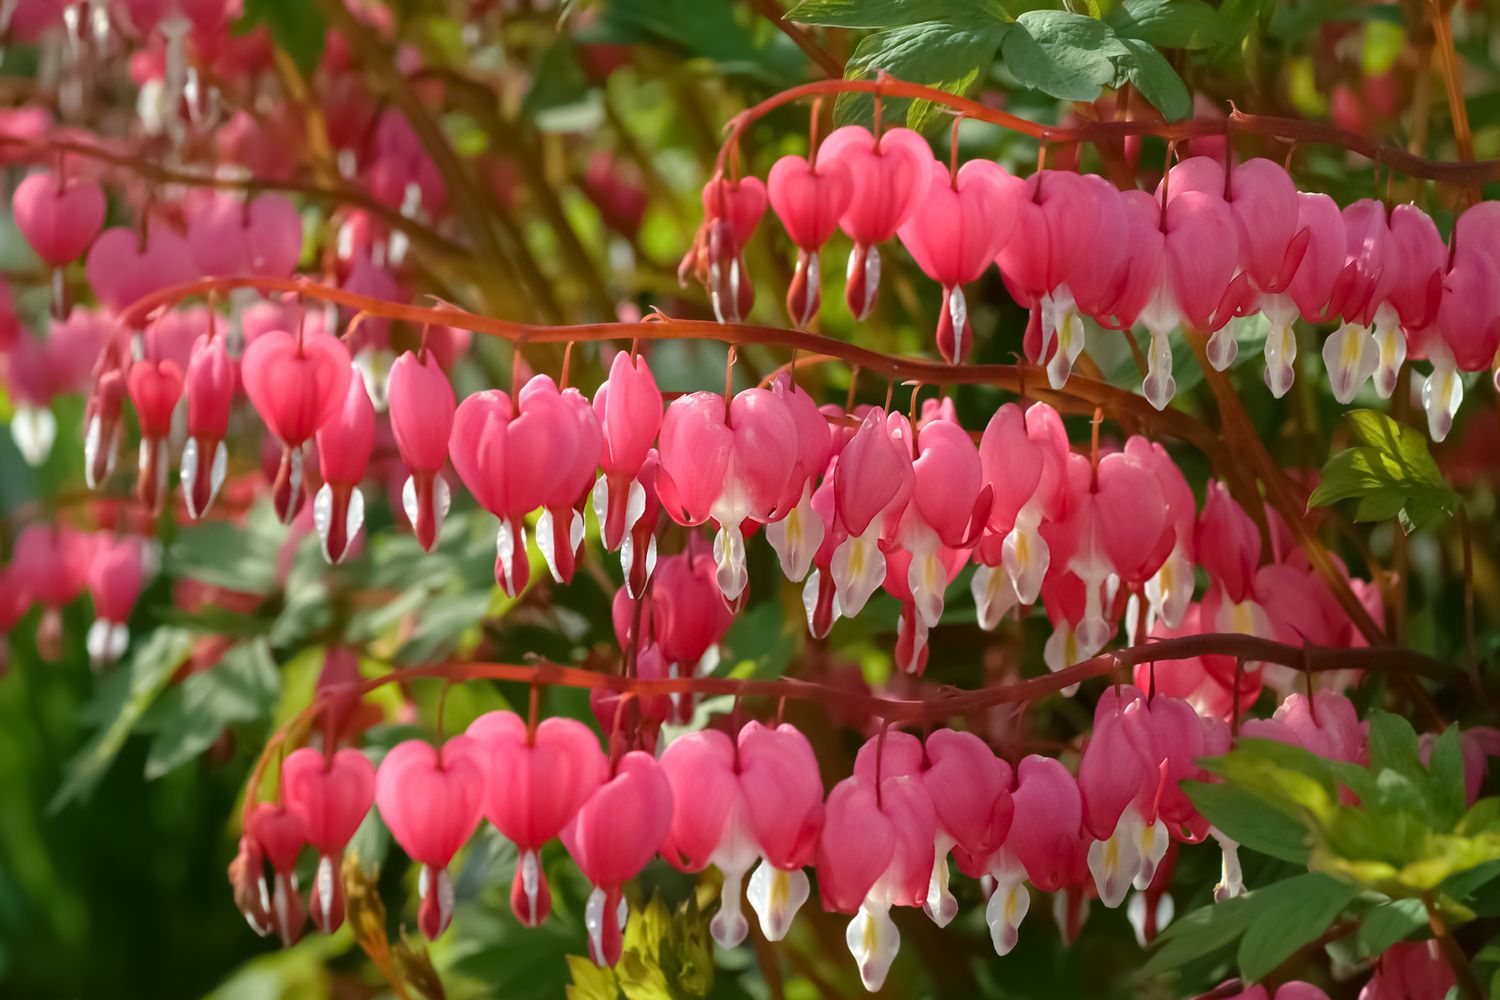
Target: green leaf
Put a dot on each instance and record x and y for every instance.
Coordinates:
(1388, 923)
(1289, 921)
(1445, 782)
(296, 26)
(1393, 745)
(1392, 473)
(591, 982)
(1061, 54)
(1246, 820)
(236, 557)
(1206, 930)
(1169, 24)
(895, 13)
(242, 687)
(122, 698)
(1155, 78)
(941, 54)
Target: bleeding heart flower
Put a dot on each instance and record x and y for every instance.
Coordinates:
(279, 834)
(949, 509)
(873, 482)
(538, 782)
(1046, 844)
(876, 852)
(344, 446)
(431, 801)
(891, 175)
(155, 387)
(798, 536)
(1069, 230)
(230, 235)
(628, 406)
(332, 795)
(296, 384)
(59, 217)
(560, 530)
(809, 196)
(1120, 781)
(422, 407)
(739, 802)
(117, 572)
(213, 378)
(970, 791)
(511, 461)
(732, 209)
(123, 267)
(965, 219)
(730, 463)
(611, 838)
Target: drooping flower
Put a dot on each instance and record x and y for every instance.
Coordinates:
(213, 378)
(808, 195)
(296, 384)
(559, 531)
(731, 463)
(611, 837)
(538, 780)
(279, 834)
(965, 219)
(876, 851)
(332, 793)
(511, 458)
(757, 798)
(431, 801)
(344, 446)
(628, 406)
(422, 408)
(891, 174)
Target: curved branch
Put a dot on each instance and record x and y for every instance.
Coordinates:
(1080, 391)
(944, 703)
(1291, 129)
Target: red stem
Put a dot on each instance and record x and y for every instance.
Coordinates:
(941, 703)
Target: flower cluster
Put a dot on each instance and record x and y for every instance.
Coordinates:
(1210, 247)
(54, 564)
(851, 502)
(751, 804)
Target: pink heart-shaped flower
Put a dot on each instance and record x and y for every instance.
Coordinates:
(296, 387)
(58, 220)
(155, 387)
(229, 236)
(545, 781)
(122, 271)
(809, 199)
(431, 801)
(332, 796)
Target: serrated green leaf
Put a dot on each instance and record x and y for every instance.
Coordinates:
(296, 26)
(124, 697)
(947, 56)
(1288, 922)
(1246, 820)
(1061, 54)
(1169, 24)
(896, 13)
(591, 982)
(242, 687)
